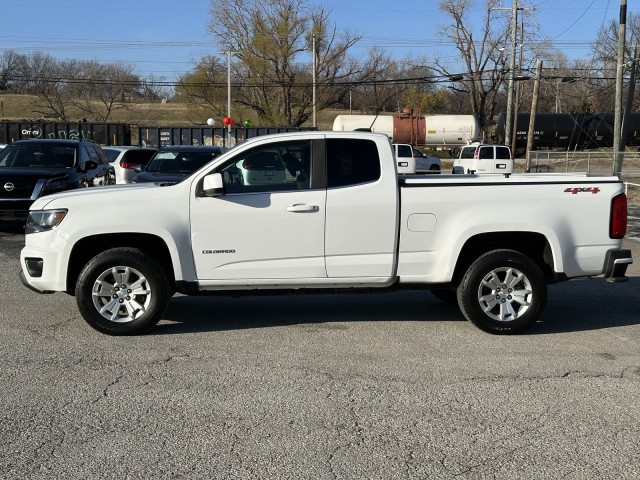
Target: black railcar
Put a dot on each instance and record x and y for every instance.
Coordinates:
(566, 131)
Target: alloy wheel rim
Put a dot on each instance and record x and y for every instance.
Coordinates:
(505, 294)
(121, 294)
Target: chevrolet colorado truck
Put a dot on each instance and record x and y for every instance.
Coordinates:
(338, 217)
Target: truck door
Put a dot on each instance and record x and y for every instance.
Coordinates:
(361, 211)
(269, 224)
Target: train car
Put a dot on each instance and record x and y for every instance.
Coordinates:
(565, 131)
(102, 133)
(156, 137)
(447, 131)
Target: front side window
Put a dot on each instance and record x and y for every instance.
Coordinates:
(274, 167)
(84, 155)
(467, 152)
(404, 151)
(351, 161)
(94, 155)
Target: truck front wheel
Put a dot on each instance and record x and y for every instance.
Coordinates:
(502, 292)
(122, 291)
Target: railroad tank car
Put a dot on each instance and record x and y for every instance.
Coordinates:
(447, 131)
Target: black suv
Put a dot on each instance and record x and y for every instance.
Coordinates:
(32, 168)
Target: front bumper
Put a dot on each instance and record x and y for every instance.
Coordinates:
(23, 279)
(44, 261)
(615, 265)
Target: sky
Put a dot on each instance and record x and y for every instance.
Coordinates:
(165, 38)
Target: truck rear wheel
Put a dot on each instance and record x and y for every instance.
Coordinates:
(503, 292)
(122, 292)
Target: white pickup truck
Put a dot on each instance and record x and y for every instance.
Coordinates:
(337, 217)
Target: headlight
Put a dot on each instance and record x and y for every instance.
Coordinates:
(43, 220)
(55, 185)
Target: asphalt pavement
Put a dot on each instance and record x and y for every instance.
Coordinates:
(375, 386)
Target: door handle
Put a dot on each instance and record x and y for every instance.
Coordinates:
(302, 207)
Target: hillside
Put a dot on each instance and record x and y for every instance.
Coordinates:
(21, 108)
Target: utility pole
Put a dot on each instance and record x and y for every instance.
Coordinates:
(618, 154)
(532, 116)
(315, 66)
(514, 38)
(518, 89)
(229, 88)
(512, 66)
(628, 106)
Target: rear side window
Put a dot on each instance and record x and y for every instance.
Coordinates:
(503, 153)
(351, 161)
(137, 157)
(110, 154)
(485, 153)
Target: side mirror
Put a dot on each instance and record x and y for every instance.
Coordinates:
(88, 165)
(212, 185)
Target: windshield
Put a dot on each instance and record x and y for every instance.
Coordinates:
(179, 162)
(38, 156)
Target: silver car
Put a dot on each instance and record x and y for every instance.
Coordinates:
(125, 158)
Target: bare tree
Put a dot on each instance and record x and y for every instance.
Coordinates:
(10, 65)
(269, 39)
(204, 89)
(97, 90)
(483, 58)
(156, 87)
(47, 80)
(605, 50)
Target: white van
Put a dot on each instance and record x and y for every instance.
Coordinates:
(404, 158)
(480, 158)
(411, 160)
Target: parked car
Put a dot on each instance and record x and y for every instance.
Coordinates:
(124, 159)
(173, 163)
(425, 163)
(33, 168)
(481, 158)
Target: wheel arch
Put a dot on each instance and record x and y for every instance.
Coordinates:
(532, 244)
(88, 247)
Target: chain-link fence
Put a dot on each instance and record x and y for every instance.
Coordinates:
(591, 162)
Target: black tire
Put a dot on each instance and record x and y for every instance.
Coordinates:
(446, 295)
(127, 279)
(503, 292)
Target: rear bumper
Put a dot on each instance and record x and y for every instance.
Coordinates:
(615, 265)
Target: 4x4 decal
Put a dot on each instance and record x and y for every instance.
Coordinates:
(576, 190)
